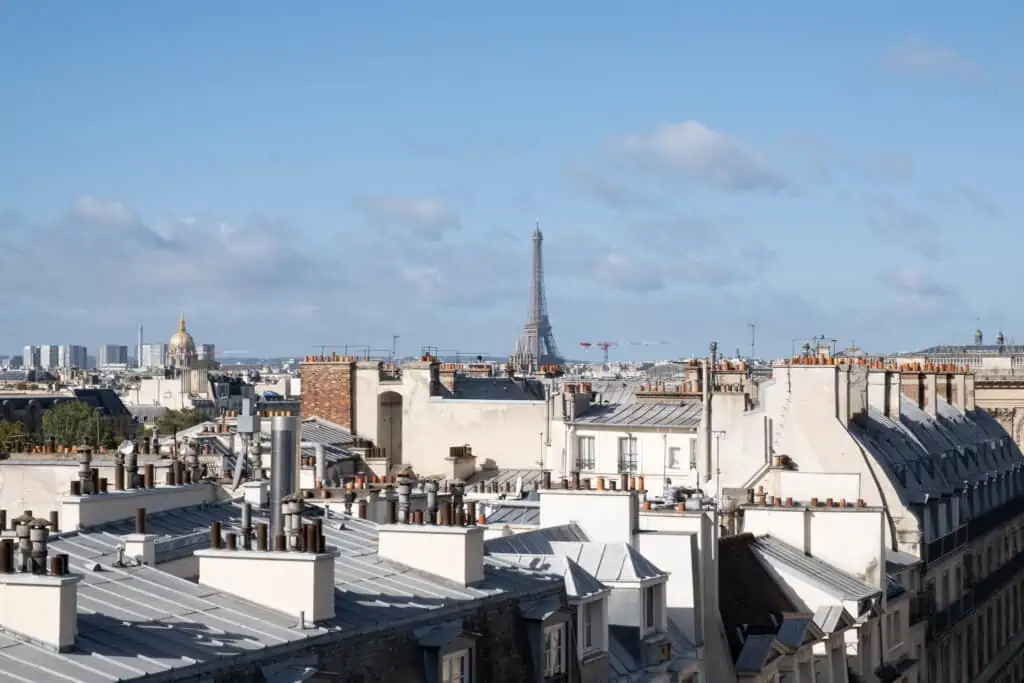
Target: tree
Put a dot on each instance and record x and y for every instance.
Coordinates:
(10, 432)
(179, 420)
(75, 423)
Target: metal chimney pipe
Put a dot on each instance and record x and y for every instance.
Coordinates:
(261, 536)
(311, 539)
(460, 516)
(118, 477)
(404, 489)
(321, 464)
(575, 477)
(284, 466)
(431, 488)
(361, 508)
(709, 392)
(215, 535)
(54, 521)
(623, 482)
(94, 486)
(194, 471)
(471, 512)
(38, 534)
(231, 540)
(85, 470)
(246, 528)
(21, 529)
(280, 543)
(147, 476)
(3, 520)
(132, 469)
(140, 520)
(545, 479)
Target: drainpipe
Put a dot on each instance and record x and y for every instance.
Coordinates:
(708, 391)
(664, 465)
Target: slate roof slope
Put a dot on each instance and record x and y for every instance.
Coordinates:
(535, 541)
(520, 513)
(933, 456)
(816, 570)
(494, 389)
(143, 621)
(643, 414)
(578, 582)
(751, 602)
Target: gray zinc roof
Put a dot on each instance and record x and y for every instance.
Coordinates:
(643, 414)
(142, 621)
(816, 570)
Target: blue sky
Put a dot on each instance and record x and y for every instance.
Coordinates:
(354, 170)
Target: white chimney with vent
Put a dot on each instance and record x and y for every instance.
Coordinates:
(455, 553)
(35, 603)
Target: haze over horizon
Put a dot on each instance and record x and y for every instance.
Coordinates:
(353, 171)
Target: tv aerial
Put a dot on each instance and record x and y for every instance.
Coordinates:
(126, 448)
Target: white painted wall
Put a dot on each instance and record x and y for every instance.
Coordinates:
(42, 607)
(653, 449)
(507, 434)
(450, 552)
(83, 511)
(291, 582)
(40, 488)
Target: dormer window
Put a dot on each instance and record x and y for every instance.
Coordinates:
(455, 667)
(554, 650)
(652, 607)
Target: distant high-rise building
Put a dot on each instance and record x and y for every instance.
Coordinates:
(16, 362)
(72, 356)
(49, 356)
(207, 352)
(112, 355)
(153, 356)
(30, 357)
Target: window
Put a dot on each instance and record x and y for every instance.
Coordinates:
(627, 454)
(591, 623)
(651, 607)
(674, 456)
(455, 667)
(585, 459)
(554, 650)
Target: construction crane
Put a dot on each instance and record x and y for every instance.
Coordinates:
(606, 345)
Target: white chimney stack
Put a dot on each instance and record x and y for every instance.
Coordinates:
(455, 553)
(36, 604)
(300, 583)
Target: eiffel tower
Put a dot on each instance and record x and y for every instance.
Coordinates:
(536, 347)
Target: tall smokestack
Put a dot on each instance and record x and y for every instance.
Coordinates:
(284, 466)
(709, 391)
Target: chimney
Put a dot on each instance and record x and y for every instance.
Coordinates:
(431, 488)
(404, 489)
(321, 465)
(931, 392)
(894, 385)
(455, 553)
(140, 547)
(709, 391)
(960, 390)
(296, 582)
(284, 469)
(447, 376)
(39, 604)
(608, 516)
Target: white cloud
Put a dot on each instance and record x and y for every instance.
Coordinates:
(916, 57)
(701, 154)
(426, 218)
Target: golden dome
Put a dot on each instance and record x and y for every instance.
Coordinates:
(181, 341)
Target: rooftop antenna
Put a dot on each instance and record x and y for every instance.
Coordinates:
(753, 330)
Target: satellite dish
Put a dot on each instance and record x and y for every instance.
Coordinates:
(126, 448)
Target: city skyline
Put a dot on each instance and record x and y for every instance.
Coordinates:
(694, 169)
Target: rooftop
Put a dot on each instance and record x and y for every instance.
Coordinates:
(654, 415)
(142, 621)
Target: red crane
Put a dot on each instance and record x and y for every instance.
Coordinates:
(603, 345)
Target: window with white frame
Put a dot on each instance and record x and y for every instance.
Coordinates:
(554, 650)
(455, 667)
(651, 607)
(675, 458)
(591, 624)
(586, 459)
(693, 454)
(627, 454)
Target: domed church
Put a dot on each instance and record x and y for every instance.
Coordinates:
(181, 352)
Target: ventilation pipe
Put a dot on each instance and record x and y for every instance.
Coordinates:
(404, 489)
(709, 381)
(85, 470)
(284, 441)
(431, 489)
